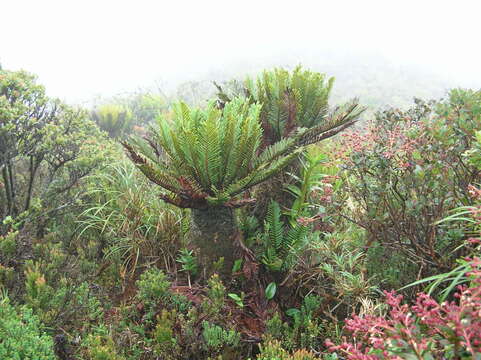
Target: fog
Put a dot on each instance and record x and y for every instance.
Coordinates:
(85, 49)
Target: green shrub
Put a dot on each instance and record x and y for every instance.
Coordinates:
(115, 119)
(8, 244)
(154, 287)
(272, 350)
(216, 337)
(304, 329)
(101, 347)
(42, 138)
(216, 293)
(124, 212)
(164, 340)
(21, 336)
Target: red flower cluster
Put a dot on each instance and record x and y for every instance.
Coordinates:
(425, 330)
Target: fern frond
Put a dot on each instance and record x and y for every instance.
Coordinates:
(340, 119)
(275, 227)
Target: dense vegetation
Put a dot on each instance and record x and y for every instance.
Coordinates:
(264, 223)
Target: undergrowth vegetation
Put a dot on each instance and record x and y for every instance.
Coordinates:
(239, 229)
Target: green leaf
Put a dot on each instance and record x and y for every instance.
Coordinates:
(271, 290)
(237, 299)
(237, 265)
(293, 312)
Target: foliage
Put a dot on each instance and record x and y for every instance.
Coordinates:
(24, 111)
(216, 293)
(311, 180)
(21, 336)
(273, 350)
(281, 243)
(216, 337)
(297, 99)
(207, 157)
(353, 214)
(165, 342)
(271, 290)
(334, 268)
(304, 329)
(8, 244)
(470, 217)
(122, 209)
(47, 148)
(458, 275)
(153, 287)
(115, 119)
(189, 263)
(238, 299)
(64, 304)
(100, 346)
(147, 107)
(425, 330)
(407, 171)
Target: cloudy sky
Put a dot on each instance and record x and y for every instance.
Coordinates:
(83, 48)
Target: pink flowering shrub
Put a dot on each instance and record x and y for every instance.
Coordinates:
(405, 172)
(424, 330)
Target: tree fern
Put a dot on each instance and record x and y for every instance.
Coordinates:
(207, 157)
(295, 100)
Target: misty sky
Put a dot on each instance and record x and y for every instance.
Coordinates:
(84, 48)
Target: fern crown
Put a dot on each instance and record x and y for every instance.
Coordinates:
(207, 157)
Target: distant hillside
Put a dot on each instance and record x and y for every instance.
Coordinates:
(375, 80)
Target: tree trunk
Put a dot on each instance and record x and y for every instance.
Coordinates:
(212, 233)
(6, 181)
(33, 171)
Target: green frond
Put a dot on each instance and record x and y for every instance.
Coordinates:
(206, 157)
(294, 238)
(281, 243)
(340, 118)
(162, 179)
(275, 227)
(262, 173)
(290, 100)
(275, 150)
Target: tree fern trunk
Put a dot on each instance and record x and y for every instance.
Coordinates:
(212, 233)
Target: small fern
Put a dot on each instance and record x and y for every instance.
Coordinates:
(281, 242)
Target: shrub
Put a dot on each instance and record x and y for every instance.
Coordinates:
(273, 350)
(425, 330)
(304, 329)
(100, 346)
(334, 268)
(407, 171)
(134, 227)
(164, 340)
(216, 337)
(46, 148)
(153, 287)
(21, 336)
(59, 304)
